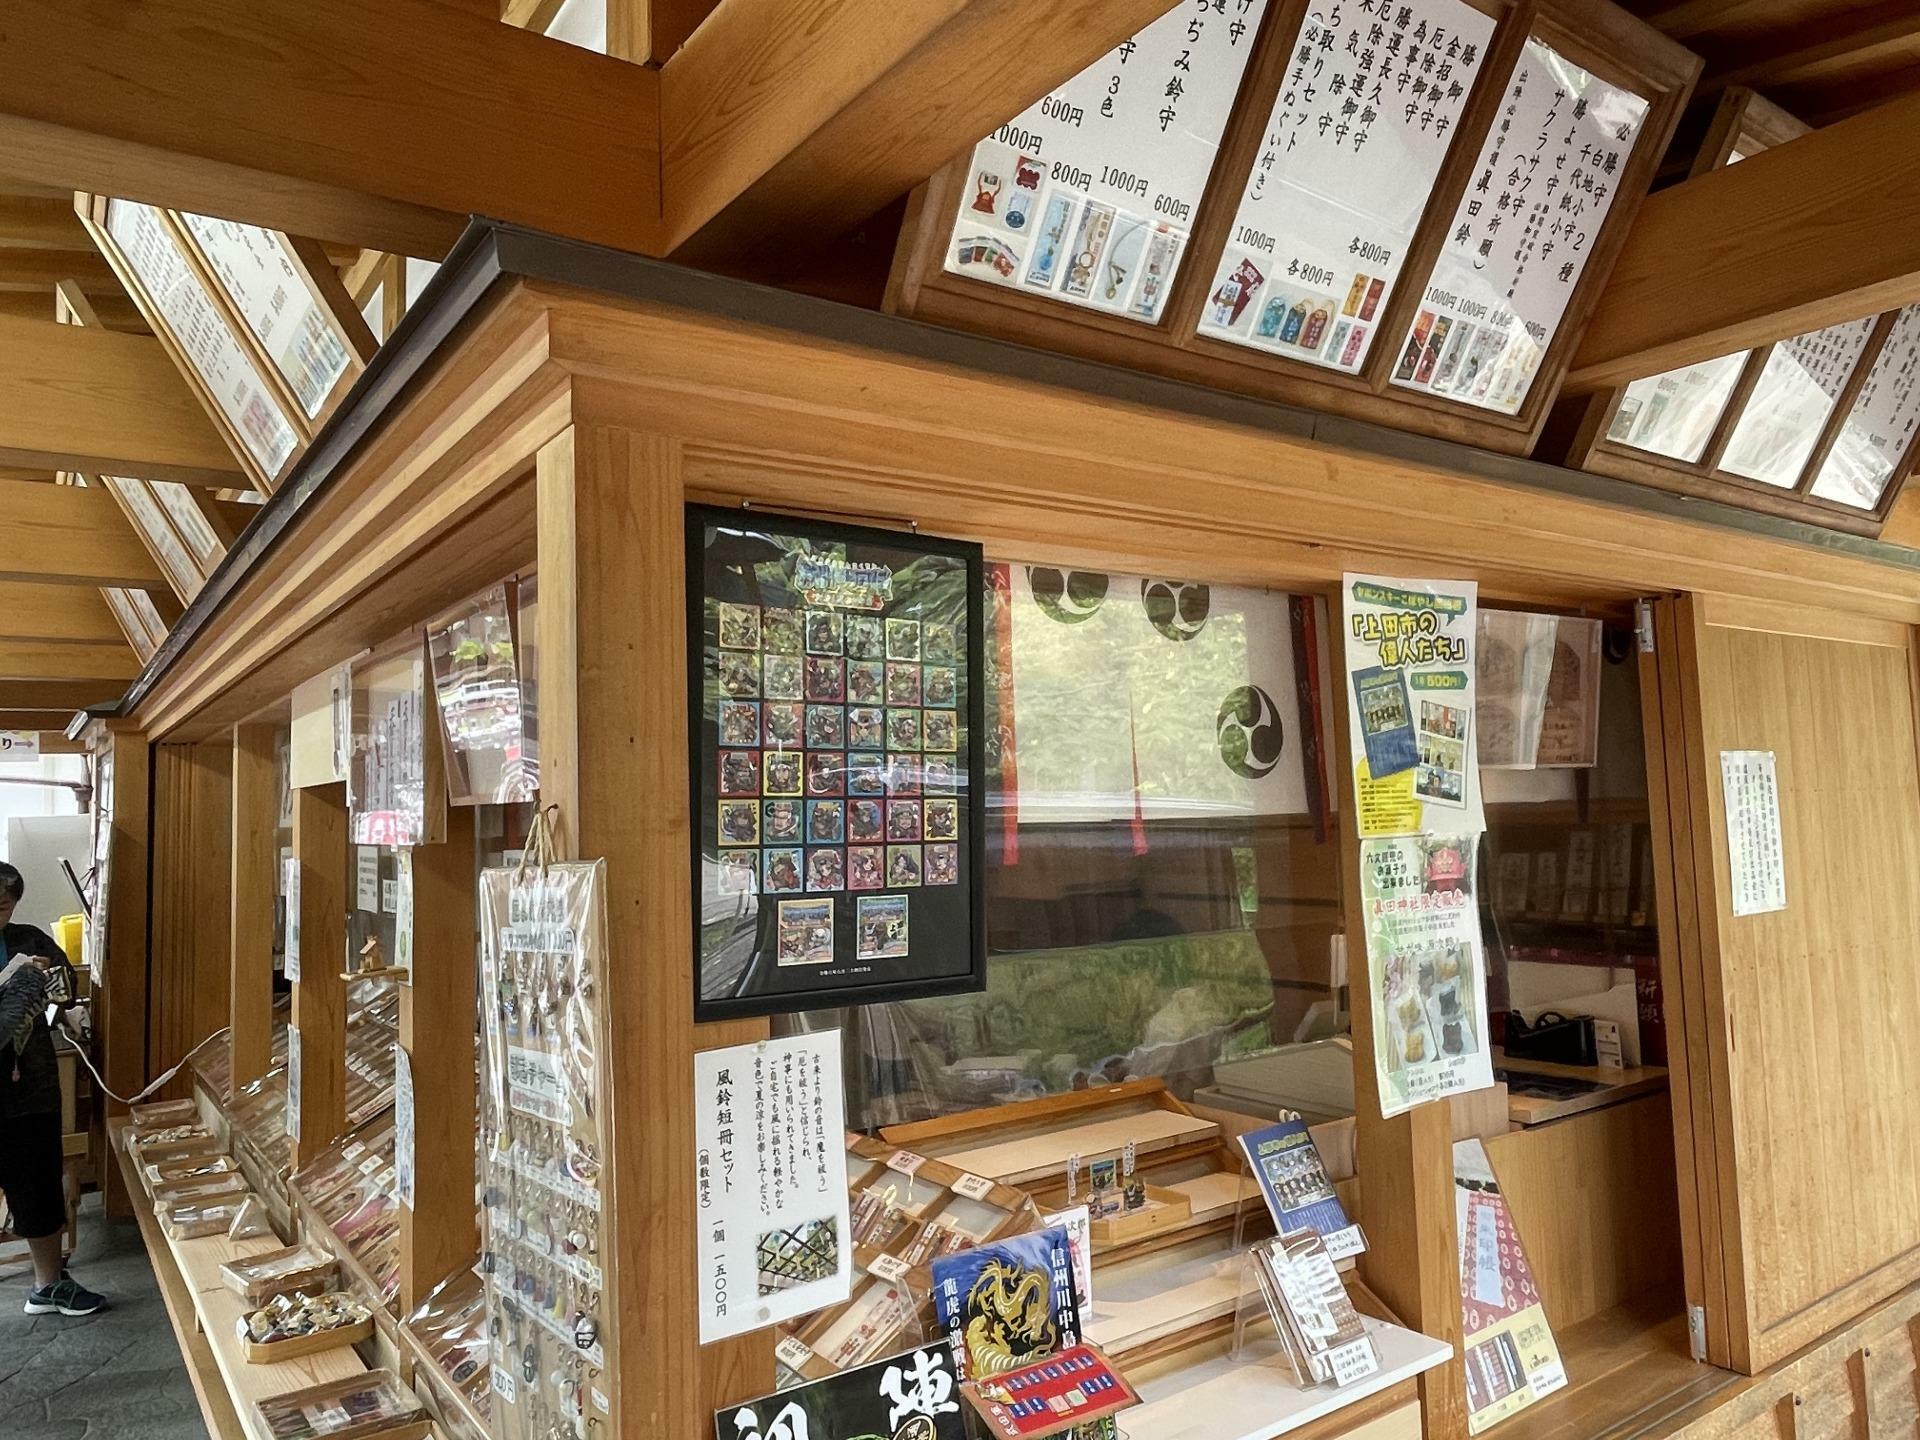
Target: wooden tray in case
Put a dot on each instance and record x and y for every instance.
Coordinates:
(295, 1346)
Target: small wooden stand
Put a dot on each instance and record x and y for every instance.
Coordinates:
(1164, 1210)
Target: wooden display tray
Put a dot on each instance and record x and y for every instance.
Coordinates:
(147, 1154)
(274, 1351)
(1165, 1209)
(258, 1291)
(157, 1173)
(225, 1182)
(194, 1230)
(415, 1427)
(163, 1114)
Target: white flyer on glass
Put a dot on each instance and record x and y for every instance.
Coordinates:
(771, 1177)
(293, 1083)
(290, 885)
(403, 1130)
(366, 878)
(1756, 855)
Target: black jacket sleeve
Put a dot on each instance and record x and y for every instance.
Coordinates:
(24, 995)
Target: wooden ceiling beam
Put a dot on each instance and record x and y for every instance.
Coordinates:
(60, 696)
(47, 722)
(115, 310)
(381, 123)
(50, 613)
(77, 398)
(64, 535)
(797, 117)
(1887, 32)
(39, 270)
(41, 222)
(1817, 231)
(64, 660)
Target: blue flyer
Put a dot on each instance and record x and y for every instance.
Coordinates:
(1299, 1195)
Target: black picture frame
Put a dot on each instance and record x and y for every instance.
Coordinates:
(957, 963)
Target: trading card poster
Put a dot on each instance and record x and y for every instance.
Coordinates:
(836, 774)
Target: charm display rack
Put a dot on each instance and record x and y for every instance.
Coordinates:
(543, 958)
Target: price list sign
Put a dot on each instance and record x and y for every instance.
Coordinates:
(1881, 425)
(1799, 386)
(1539, 194)
(1370, 100)
(1089, 196)
(1674, 413)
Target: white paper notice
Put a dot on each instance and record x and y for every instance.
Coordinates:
(290, 885)
(19, 745)
(1756, 856)
(293, 1082)
(1542, 186)
(1881, 425)
(403, 1128)
(1799, 386)
(1089, 195)
(1357, 134)
(366, 878)
(771, 1179)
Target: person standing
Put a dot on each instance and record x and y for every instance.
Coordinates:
(31, 1163)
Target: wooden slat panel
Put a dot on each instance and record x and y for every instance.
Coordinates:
(255, 818)
(319, 995)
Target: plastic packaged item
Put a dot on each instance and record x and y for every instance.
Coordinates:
(359, 1408)
(297, 1267)
(451, 1328)
(251, 1221)
(164, 1113)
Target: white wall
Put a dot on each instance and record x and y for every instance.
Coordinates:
(38, 824)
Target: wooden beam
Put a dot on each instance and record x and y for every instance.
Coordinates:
(255, 886)
(54, 612)
(116, 312)
(376, 122)
(65, 696)
(806, 116)
(120, 1010)
(66, 660)
(1860, 39)
(45, 721)
(1818, 231)
(41, 222)
(37, 270)
(320, 995)
(64, 535)
(76, 398)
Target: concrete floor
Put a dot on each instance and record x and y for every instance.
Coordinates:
(112, 1375)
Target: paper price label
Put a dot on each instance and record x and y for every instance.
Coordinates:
(1353, 1360)
(793, 1352)
(600, 1401)
(504, 1384)
(890, 1268)
(1344, 1243)
(974, 1187)
(905, 1162)
(1606, 1044)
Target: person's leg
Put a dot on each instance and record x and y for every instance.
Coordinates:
(48, 1262)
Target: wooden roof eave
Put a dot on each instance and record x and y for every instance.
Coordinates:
(420, 488)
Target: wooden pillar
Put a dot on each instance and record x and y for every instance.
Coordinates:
(320, 994)
(613, 739)
(255, 885)
(120, 1039)
(439, 1235)
(1405, 1163)
(210, 796)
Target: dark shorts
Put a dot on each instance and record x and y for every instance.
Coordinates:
(31, 1174)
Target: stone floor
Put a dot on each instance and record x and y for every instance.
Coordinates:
(112, 1375)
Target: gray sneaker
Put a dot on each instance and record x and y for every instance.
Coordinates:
(66, 1296)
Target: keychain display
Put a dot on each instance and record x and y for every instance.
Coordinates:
(543, 951)
(350, 1188)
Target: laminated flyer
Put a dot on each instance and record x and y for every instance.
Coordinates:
(1426, 967)
(1508, 1347)
(769, 1124)
(1410, 699)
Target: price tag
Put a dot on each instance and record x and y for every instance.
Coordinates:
(793, 1352)
(905, 1162)
(600, 1401)
(974, 1187)
(1353, 1360)
(890, 1268)
(504, 1385)
(1073, 1179)
(1606, 1044)
(1344, 1243)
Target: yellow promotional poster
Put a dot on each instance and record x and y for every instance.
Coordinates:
(1410, 686)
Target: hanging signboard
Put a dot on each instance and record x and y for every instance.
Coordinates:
(1798, 388)
(18, 745)
(837, 772)
(1545, 180)
(1089, 196)
(775, 1229)
(1410, 702)
(1363, 119)
(1507, 1346)
(1879, 429)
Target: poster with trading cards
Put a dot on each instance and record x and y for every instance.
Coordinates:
(835, 709)
(1410, 700)
(1088, 195)
(769, 1131)
(1506, 1344)
(914, 1395)
(1426, 967)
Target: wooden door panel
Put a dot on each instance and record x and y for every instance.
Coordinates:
(1811, 1012)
